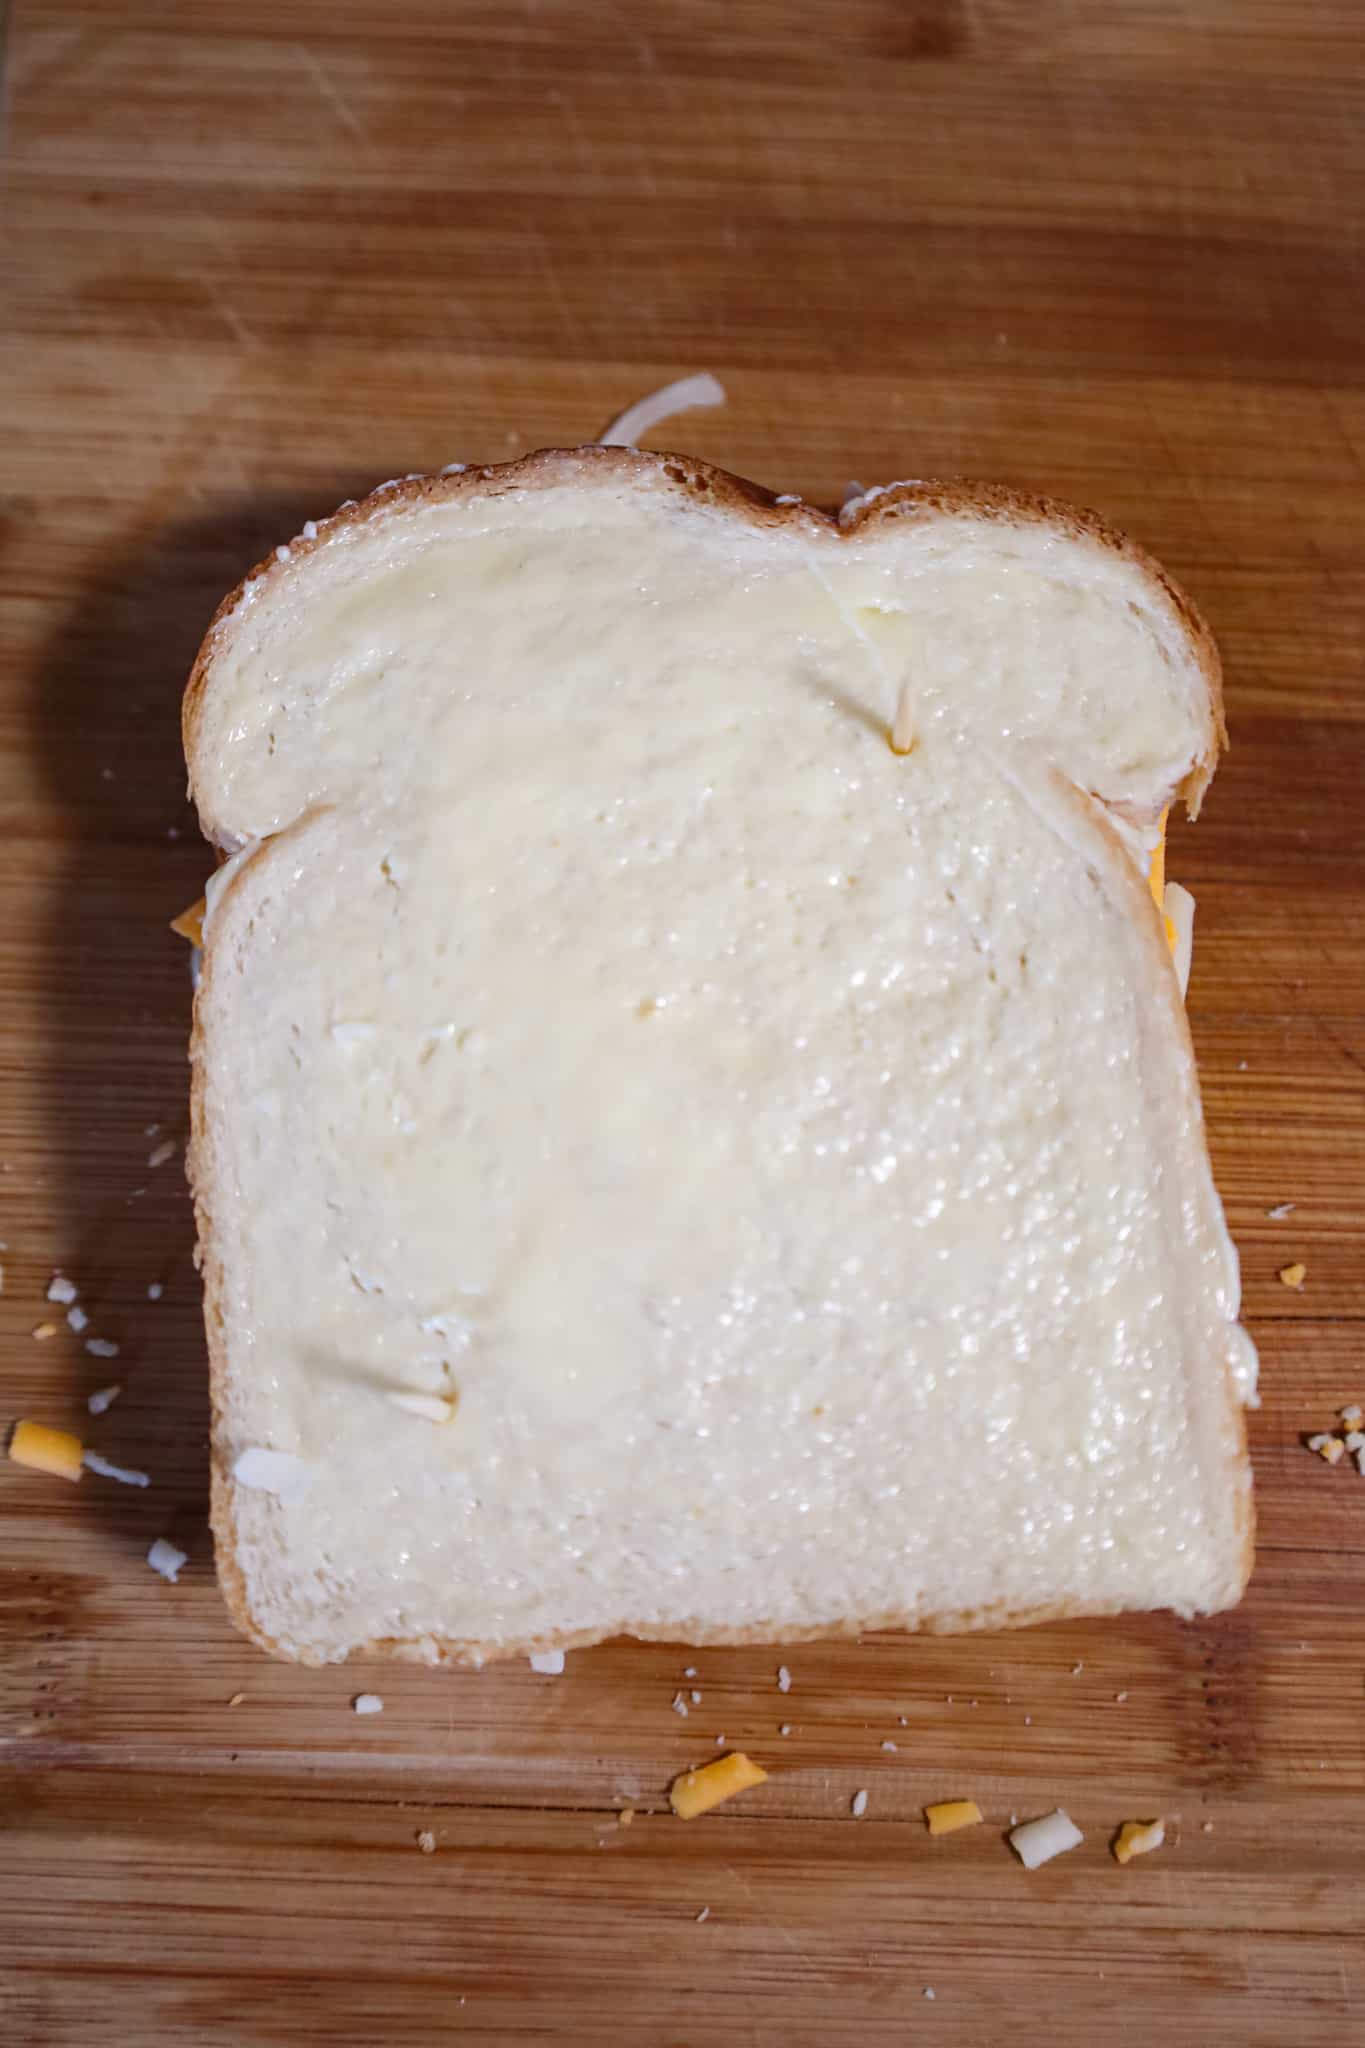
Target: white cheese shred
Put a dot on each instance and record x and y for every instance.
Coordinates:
(163, 1557)
(278, 1472)
(1038, 1841)
(93, 1462)
(647, 413)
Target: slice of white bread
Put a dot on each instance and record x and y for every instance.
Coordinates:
(666, 1162)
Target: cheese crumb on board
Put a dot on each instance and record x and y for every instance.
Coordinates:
(47, 1450)
(1353, 1418)
(1329, 1447)
(549, 1663)
(95, 1463)
(42, 1332)
(1295, 1275)
(1138, 1838)
(59, 1288)
(784, 1679)
(1036, 1842)
(696, 1792)
(367, 1703)
(949, 1815)
(164, 1557)
(857, 1806)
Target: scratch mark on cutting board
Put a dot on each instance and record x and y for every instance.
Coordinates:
(328, 92)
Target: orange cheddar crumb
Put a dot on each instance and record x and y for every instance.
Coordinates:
(190, 923)
(1295, 1275)
(47, 1450)
(951, 1814)
(1138, 1838)
(698, 1791)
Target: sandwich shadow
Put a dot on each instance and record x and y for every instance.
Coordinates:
(116, 1001)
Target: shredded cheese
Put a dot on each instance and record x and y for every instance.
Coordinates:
(1037, 1841)
(647, 413)
(951, 1814)
(1138, 1838)
(47, 1450)
(696, 1792)
(163, 1557)
(190, 923)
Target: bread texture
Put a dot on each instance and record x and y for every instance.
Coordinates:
(666, 1163)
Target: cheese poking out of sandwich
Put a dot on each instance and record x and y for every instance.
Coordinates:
(696, 1792)
(190, 923)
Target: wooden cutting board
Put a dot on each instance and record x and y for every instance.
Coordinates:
(262, 256)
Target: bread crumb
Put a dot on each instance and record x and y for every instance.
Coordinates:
(155, 1291)
(785, 1729)
(705, 1914)
(784, 1679)
(858, 1804)
(1353, 1417)
(1354, 1439)
(1295, 1275)
(720, 1742)
(426, 1841)
(1329, 1447)
(891, 1746)
(367, 1703)
(1119, 1698)
(625, 1816)
(42, 1331)
(679, 1705)
(237, 1699)
(929, 1991)
(1077, 1668)
(103, 1398)
(1280, 1211)
(93, 1462)
(163, 1152)
(690, 1671)
(695, 1697)
(1207, 1828)
(549, 1663)
(77, 1319)
(101, 1347)
(902, 1721)
(60, 1289)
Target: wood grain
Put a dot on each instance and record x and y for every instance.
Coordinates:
(258, 258)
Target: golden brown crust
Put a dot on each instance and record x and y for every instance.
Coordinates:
(760, 509)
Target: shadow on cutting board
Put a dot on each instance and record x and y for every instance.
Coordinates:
(117, 1001)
